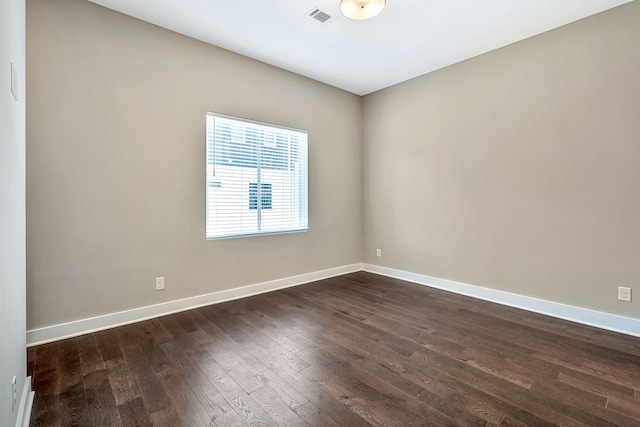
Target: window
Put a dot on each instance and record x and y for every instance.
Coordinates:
(256, 178)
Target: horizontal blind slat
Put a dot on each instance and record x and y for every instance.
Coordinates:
(257, 178)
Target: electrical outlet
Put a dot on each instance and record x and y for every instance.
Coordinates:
(379, 253)
(14, 394)
(159, 283)
(624, 294)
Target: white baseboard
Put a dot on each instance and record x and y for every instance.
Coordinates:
(26, 402)
(98, 323)
(584, 316)
(611, 322)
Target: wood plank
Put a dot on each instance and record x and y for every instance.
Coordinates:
(246, 358)
(239, 373)
(153, 394)
(73, 401)
(134, 414)
(102, 406)
(123, 385)
(108, 344)
(313, 416)
(184, 400)
(288, 394)
(279, 412)
(314, 393)
(90, 355)
(207, 394)
(627, 407)
(243, 404)
(46, 409)
(168, 416)
(229, 419)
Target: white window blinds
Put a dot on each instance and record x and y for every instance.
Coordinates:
(256, 178)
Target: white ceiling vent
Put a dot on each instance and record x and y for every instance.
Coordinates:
(319, 15)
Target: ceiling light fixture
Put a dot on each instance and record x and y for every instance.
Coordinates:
(361, 9)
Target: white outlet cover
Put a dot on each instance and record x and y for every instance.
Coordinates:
(159, 283)
(624, 294)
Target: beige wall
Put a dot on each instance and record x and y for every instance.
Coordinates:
(12, 208)
(116, 165)
(518, 170)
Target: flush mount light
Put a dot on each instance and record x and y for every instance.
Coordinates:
(361, 9)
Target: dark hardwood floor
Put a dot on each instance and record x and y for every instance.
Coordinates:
(354, 350)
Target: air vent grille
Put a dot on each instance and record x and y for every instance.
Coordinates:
(319, 15)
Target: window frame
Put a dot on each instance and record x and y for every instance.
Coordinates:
(296, 172)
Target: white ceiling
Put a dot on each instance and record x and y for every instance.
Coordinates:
(409, 38)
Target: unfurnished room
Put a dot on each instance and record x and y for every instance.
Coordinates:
(319, 213)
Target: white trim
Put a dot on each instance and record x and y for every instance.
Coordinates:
(98, 323)
(26, 402)
(584, 316)
(611, 322)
